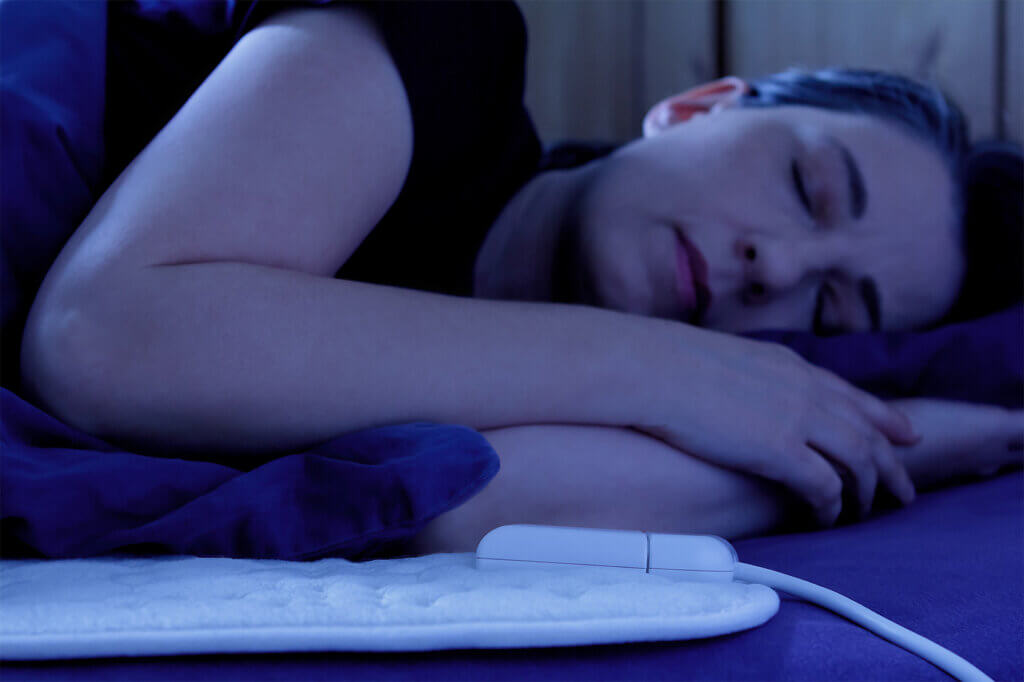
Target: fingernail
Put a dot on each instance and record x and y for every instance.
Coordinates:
(912, 438)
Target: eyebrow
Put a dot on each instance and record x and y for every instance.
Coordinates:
(858, 194)
(869, 292)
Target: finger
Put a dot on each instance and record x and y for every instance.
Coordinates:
(891, 467)
(885, 460)
(892, 471)
(813, 478)
(841, 442)
(889, 419)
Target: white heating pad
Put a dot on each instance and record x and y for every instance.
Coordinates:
(131, 606)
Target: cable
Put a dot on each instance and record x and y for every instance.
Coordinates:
(883, 627)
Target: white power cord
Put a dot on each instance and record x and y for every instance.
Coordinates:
(883, 627)
(707, 558)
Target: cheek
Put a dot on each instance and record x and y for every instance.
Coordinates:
(622, 260)
(618, 210)
(921, 288)
(598, 238)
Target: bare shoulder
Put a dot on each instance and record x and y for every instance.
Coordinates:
(287, 155)
(328, 28)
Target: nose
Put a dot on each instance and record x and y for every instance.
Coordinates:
(772, 265)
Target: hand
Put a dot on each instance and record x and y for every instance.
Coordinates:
(960, 439)
(760, 408)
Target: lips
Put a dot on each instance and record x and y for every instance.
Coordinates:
(697, 269)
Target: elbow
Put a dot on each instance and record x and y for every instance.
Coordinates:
(64, 367)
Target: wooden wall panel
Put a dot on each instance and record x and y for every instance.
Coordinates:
(1013, 114)
(951, 42)
(679, 42)
(594, 67)
(581, 67)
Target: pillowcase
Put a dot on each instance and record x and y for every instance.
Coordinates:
(980, 360)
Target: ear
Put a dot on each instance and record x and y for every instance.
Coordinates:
(708, 98)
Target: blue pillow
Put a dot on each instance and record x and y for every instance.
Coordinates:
(980, 360)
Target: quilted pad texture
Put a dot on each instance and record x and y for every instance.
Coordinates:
(133, 606)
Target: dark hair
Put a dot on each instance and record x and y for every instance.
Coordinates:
(989, 177)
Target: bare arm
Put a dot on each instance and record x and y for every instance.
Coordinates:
(240, 358)
(194, 309)
(961, 440)
(618, 478)
(600, 477)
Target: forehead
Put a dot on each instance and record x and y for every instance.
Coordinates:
(908, 237)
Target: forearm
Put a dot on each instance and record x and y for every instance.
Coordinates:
(961, 441)
(603, 477)
(233, 357)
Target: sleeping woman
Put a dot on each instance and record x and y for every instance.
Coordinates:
(348, 224)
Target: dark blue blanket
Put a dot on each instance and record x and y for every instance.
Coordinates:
(68, 494)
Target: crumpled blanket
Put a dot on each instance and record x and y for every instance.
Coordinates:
(64, 493)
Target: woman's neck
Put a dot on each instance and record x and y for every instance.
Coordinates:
(521, 252)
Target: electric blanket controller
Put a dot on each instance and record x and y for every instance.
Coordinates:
(701, 558)
(694, 558)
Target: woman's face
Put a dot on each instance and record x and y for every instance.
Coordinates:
(805, 218)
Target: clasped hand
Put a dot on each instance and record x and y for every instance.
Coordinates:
(761, 409)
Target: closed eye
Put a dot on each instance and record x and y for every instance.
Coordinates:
(818, 325)
(798, 181)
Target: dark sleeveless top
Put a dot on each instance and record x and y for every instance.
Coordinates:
(462, 64)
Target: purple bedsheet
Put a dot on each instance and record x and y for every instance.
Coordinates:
(950, 567)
